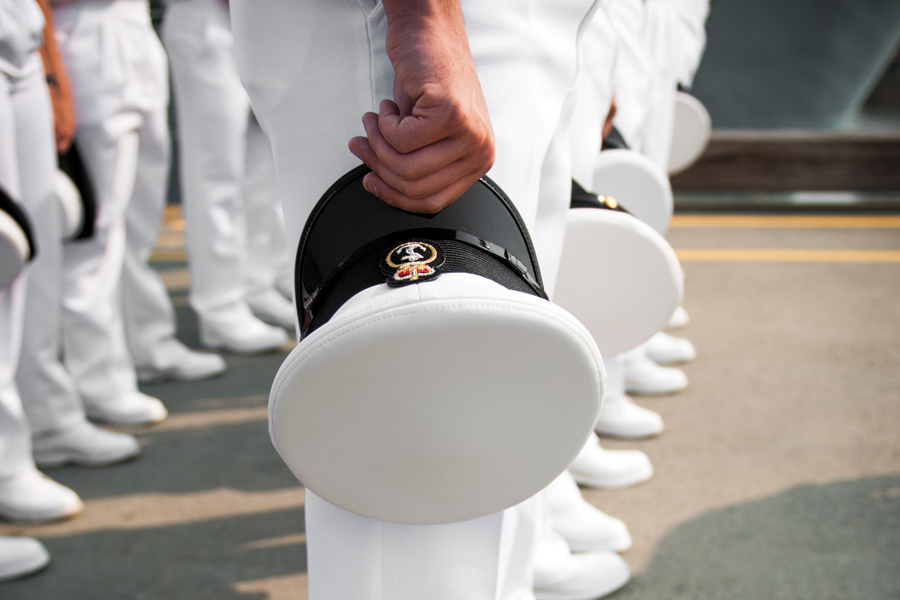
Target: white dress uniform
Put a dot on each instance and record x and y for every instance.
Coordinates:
(270, 264)
(327, 61)
(675, 37)
(229, 224)
(26, 173)
(632, 75)
(118, 74)
(27, 167)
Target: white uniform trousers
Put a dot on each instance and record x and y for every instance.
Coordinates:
(118, 73)
(148, 313)
(675, 37)
(15, 435)
(311, 70)
(27, 163)
(269, 262)
(594, 92)
(213, 115)
(632, 77)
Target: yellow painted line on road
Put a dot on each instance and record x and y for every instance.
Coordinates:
(796, 255)
(276, 542)
(175, 280)
(168, 255)
(285, 587)
(148, 511)
(208, 418)
(786, 222)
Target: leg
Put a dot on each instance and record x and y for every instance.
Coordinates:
(267, 253)
(26, 158)
(108, 50)
(149, 316)
(504, 41)
(213, 114)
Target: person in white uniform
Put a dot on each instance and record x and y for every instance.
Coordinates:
(119, 82)
(26, 174)
(311, 71)
(60, 430)
(219, 147)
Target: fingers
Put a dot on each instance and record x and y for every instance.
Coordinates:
(418, 163)
(415, 188)
(429, 205)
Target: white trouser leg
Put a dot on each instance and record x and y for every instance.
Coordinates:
(615, 375)
(148, 313)
(310, 105)
(26, 168)
(593, 97)
(409, 562)
(212, 110)
(268, 258)
(114, 61)
(48, 391)
(15, 436)
(95, 350)
(633, 70)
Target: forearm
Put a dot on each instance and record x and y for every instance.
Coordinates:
(57, 83)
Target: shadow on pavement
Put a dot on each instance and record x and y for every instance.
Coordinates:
(816, 542)
(194, 561)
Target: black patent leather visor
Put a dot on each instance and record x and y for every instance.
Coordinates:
(353, 241)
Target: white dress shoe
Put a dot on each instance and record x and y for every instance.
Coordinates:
(133, 408)
(32, 496)
(237, 330)
(609, 469)
(271, 307)
(620, 417)
(583, 526)
(679, 319)
(643, 376)
(591, 530)
(181, 364)
(664, 349)
(20, 556)
(84, 444)
(561, 575)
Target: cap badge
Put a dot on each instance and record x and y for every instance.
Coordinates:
(413, 262)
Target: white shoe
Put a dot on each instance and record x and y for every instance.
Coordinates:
(609, 469)
(84, 444)
(271, 307)
(133, 408)
(561, 575)
(620, 417)
(182, 364)
(643, 376)
(237, 330)
(20, 556)
(32, 496)
(583, 526)
(679, 319)
(592, 529)
(664, 349)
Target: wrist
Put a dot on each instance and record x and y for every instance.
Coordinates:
(418, 17)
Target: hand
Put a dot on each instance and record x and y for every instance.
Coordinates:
(608, 124)
(430, 144)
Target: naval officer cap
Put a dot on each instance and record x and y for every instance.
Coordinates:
(433, 381)
(17, 245)
(75, 194)
(618, 276)
(637, 183)
(691, 132)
